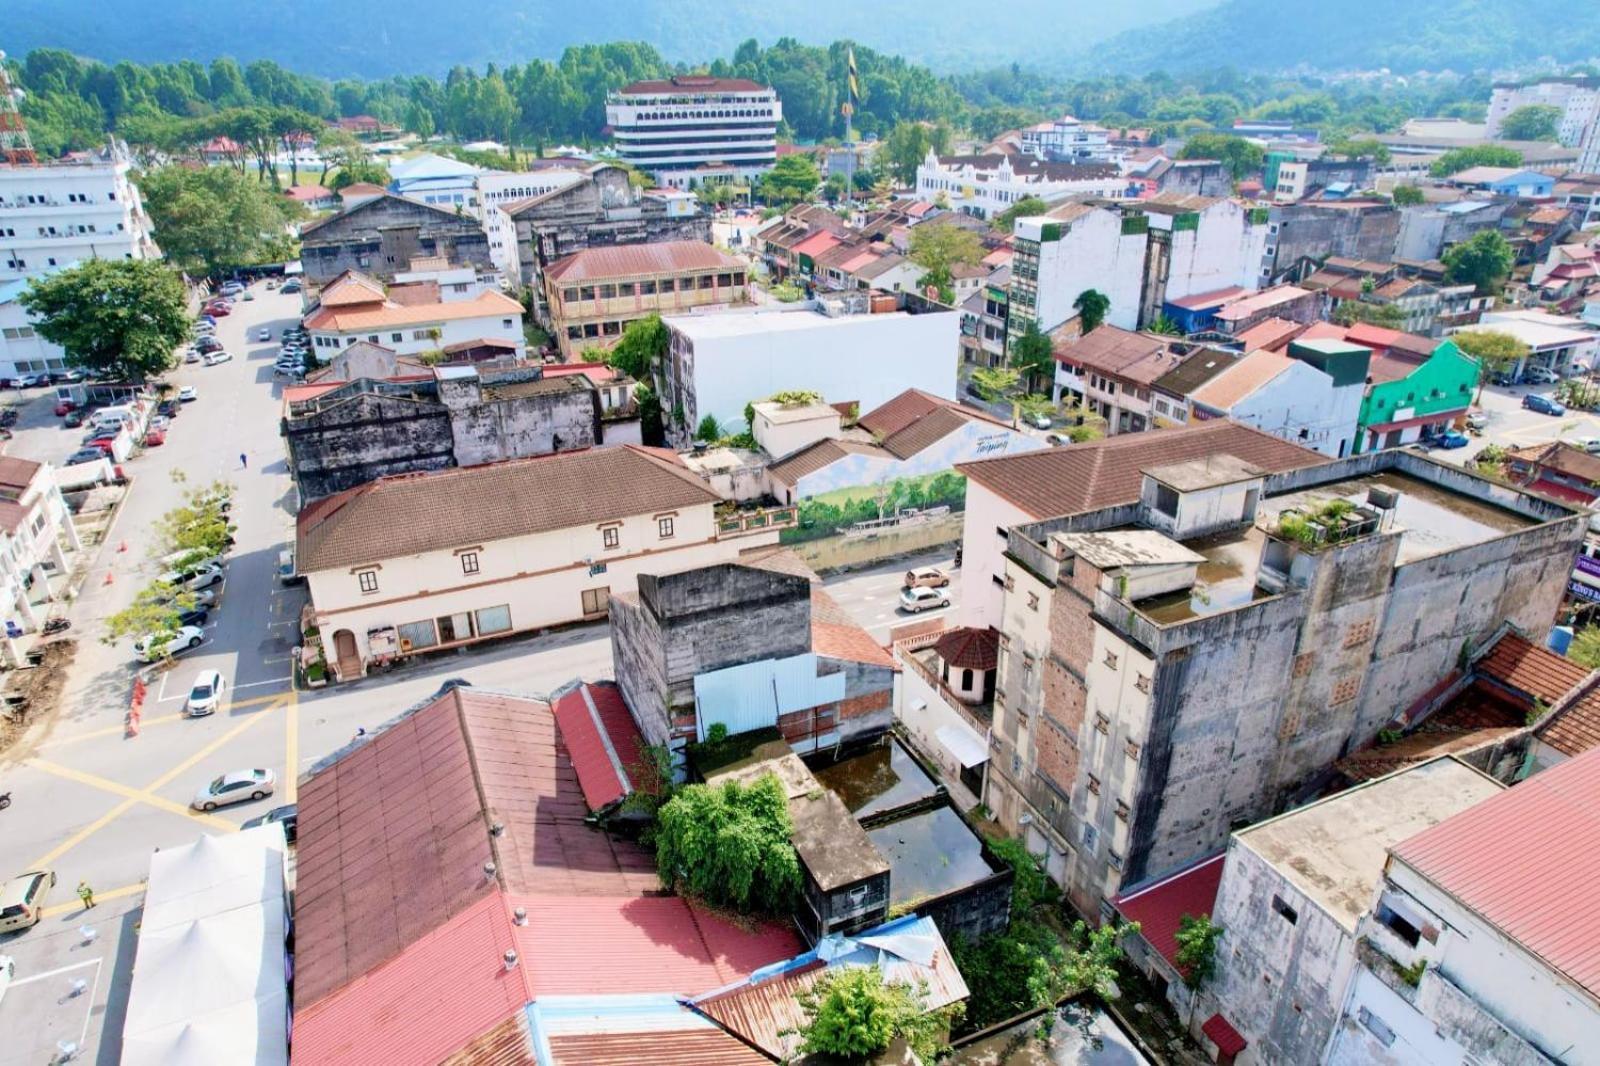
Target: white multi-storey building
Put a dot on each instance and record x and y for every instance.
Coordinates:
(692, 128)
(1070, 140)
(1577, 98)
(22, 350)
(36, 532)
(986, 185)
(59, 213)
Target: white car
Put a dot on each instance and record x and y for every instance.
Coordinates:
(237, 786)
(213, 358)
(182, 639)
(264, 334)
(193, 580)
(923, 599)
(187, 394)
(1538, 375)
(1588, 444)
(8, 970)
(192, 356)
(205, 694)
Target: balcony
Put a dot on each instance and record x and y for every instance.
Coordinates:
(745, 522)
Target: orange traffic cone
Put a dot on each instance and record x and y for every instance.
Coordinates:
(109, 578)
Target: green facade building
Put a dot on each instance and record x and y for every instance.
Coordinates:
(1398, 409)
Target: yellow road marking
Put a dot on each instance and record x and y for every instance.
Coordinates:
(291, 744)
(206, 751)
(57, 909)
(164, 719)
(44, 861)
(118, 789)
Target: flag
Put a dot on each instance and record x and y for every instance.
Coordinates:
(855, 86)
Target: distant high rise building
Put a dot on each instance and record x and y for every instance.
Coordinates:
(1577, 98)
(58, 213)
(693, 129)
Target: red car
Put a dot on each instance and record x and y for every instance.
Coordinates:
(218, 310)
(65, 407)
(154, 437)
(104, 444)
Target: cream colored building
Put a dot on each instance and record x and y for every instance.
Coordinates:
(36, 532)
(427, 561)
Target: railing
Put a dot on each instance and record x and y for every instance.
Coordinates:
(931, 677)
(740, 523)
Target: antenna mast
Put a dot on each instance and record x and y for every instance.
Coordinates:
(15, 145)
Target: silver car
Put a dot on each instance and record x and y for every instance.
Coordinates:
(237, 786)
(205, 695)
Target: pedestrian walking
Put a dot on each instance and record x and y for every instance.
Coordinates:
(244, 461)
(86, 894)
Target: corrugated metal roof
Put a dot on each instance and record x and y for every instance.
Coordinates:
(608, 753)
(628, 1030)
(1527, 861)
(1224, 1035)
(1159, 908)
(507, 1044)
(640, 260)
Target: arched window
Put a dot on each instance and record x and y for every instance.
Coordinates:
(966, 679)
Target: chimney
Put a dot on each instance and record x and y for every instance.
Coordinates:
(511, 959)
(519, 916)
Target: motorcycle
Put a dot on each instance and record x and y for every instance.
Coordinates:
(56, 625)
(5, 800)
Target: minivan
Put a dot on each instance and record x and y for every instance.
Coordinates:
(22, 899)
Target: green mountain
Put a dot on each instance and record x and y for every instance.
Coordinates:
(1404, 35)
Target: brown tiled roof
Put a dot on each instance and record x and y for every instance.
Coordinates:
(895, 414)
(507, 1044)
(413, 513)
(694, 83)
(1480, 715)
(351, 288)
(836, 635)
(1270, 333)
(926, 431)
(17, 474)
(680, 1047)
(1137, 357)
(970, 648)
(1561, 457)
(388, 313)
(640, 260)
(1390, 365)
(1575, 729)
(814, 457)
(1526, 667)
(1102, 473)
(1241, 379)
(1195, 371)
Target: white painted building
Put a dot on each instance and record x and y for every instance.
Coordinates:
(55, 214)
(1070, 140)
(430, 561)
(22, 350)
(721, 360)
(1560, 343)
(438, 180)
(1286, 397)
(1481, 944)
(428, 316)
(983, 550)
(688, 127)
(36, 532)
(1578, 100)
(1073, 248)
(986, 185)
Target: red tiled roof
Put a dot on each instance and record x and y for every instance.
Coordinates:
(608, 754)
(362, 188)
(1102, 473)
(638, 260)
(1524, 666)
(387, 313)
(598, 373)
(1526, 860)
(1138, 357)
(816, 243)
(1160, 908)
(17, 474)
(1214, 298)
(1575, 728)
(969, 648)
(1270, 333)
(1224, 1035)
(835, 635)
(694, 83)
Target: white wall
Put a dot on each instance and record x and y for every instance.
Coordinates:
(1225, 250)
(22, 350)
(86, 211)
(975, 440)
(983, 555)
(1302, 398)
(403, 340)
(1091, 254)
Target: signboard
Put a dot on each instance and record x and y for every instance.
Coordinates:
(1578, 590)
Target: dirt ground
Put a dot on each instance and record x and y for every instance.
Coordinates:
(33, 693)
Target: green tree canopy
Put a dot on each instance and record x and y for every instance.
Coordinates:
(1585, 648)
(853, 1013)
(792, 179)
(1484, 155)
(1197, 948)
(1531, 122)
(904, 149)
(1349, 312)
(1361, 148)
(1241, 157)
(1026, 207)
(938, 246)
(1033, 354)
(729, 844)
(1495, 352)
(994, 383)
(1091, 306)
(1483, 260)
(642, 343)
(1407, 195)
(213, 219)
(118, 318)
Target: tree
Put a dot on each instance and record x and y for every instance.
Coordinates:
(1092, 957)
(835, 188)
(1163, 325)
(1034, 404)
(729, 844)
(1033, 354)
(642, 343)
(214, 219)
(1495, 352)
(994, 383)
(1585, 648)
(1484, 260)
(936, 247)
(904, 150)
(118, 318)
(1026, 207)
(709, 429)
(1407, 195)
(1091, 306)
(852, 1012)
(152, 617)
(1361, 148)
(1531, 122)
(792, 179)
(1349, 312)
(355, 173)
(652, 428)
(1240, 156)
(1484, 155)
(1197, 948)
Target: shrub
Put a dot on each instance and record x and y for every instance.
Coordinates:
(729, 844)
(853, 1012)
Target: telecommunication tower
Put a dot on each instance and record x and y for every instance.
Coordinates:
(15, 146)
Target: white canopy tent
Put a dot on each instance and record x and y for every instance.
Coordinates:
(210, 977)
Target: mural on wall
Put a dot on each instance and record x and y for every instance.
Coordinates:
(892, 503)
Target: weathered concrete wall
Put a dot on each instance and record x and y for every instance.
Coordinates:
(639, 666)
(382, 236)
(974, 912)
(1308, 231)
(518, 425)
(842, 553)
(363, 438)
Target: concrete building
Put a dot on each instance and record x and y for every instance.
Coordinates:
(1290, 180)
(688, 125)
(1188, 177)
(22, 350)
(1291, 897)
(442, 559)
(1578, 100)
(986, 185)
(380, 236)
(601, 210)
(1112, 371)
(747, 644)
(1284, 302)
(1480, 942)
(1070, 140)
(346, 434)
(59, 213)
(1408, 398)
(36, 533)
(1311, 396)
(592, 295)
(1559, 343)
(1304, 234)
(411, 318)
(1427, 231)
(717, 363)
(438, 180)
(1189, 644)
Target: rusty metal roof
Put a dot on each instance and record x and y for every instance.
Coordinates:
(608, 753)
(1160, 908)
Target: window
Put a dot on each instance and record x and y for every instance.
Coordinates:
(396, 338)
(1142, 684)
(469, 562)
(1398, 925)
(1102, 724)
(1166, 500)
(454, 627)
(1376, 1026)
(1122, 811)
(1094, 785)
(1110, 660)
(966, 679)
(1287, 912)
(493, 620)
(595, 600)
(1033, 601)
(505, 323)
(612, 536)
(417, 635)
(664, 527)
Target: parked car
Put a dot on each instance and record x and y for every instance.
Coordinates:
(288, 815)
(73, 420)
(1477, 420)
(219, 356)
(219, 310)
(1543, 404)
(167, 407)
(206, 320)
(65, 407)
(202, 577)
(207, 344)
(1588, 444)
(290, 286)
(84, 455)
(264, 334)
(194, 616)
(22, 899)
(1451, 439)
(236, 786)
(231, 288)
(923, 599)
(206, 598)
(926, 577)
(1038, 421)
(1502, 379)
(286, 571)
(148, 648)
(154, 438)
(205, 694)
(30, 381)
(188, 394)
(66, 377)
(1539, 375)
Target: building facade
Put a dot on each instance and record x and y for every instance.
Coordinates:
(380, 237)
(411, 318)
(36, 533)
(675, 127)
(986, 185)
(1070, 140)
(59, 213)
(1578, 100)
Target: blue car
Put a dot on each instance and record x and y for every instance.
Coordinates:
(1543, 404)
(1451, 439)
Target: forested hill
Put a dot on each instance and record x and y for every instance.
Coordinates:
(1403, 35)
(379, 38)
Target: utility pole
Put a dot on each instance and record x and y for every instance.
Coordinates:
(852, 91)
(15, 145)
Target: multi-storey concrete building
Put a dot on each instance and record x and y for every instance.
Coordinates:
(691, 127)
(59, 213)
(381, 235)
(36, 532)
(986, 185)
(1578, 100)
(411, 318)
(1212, 617)
(1070, 140)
